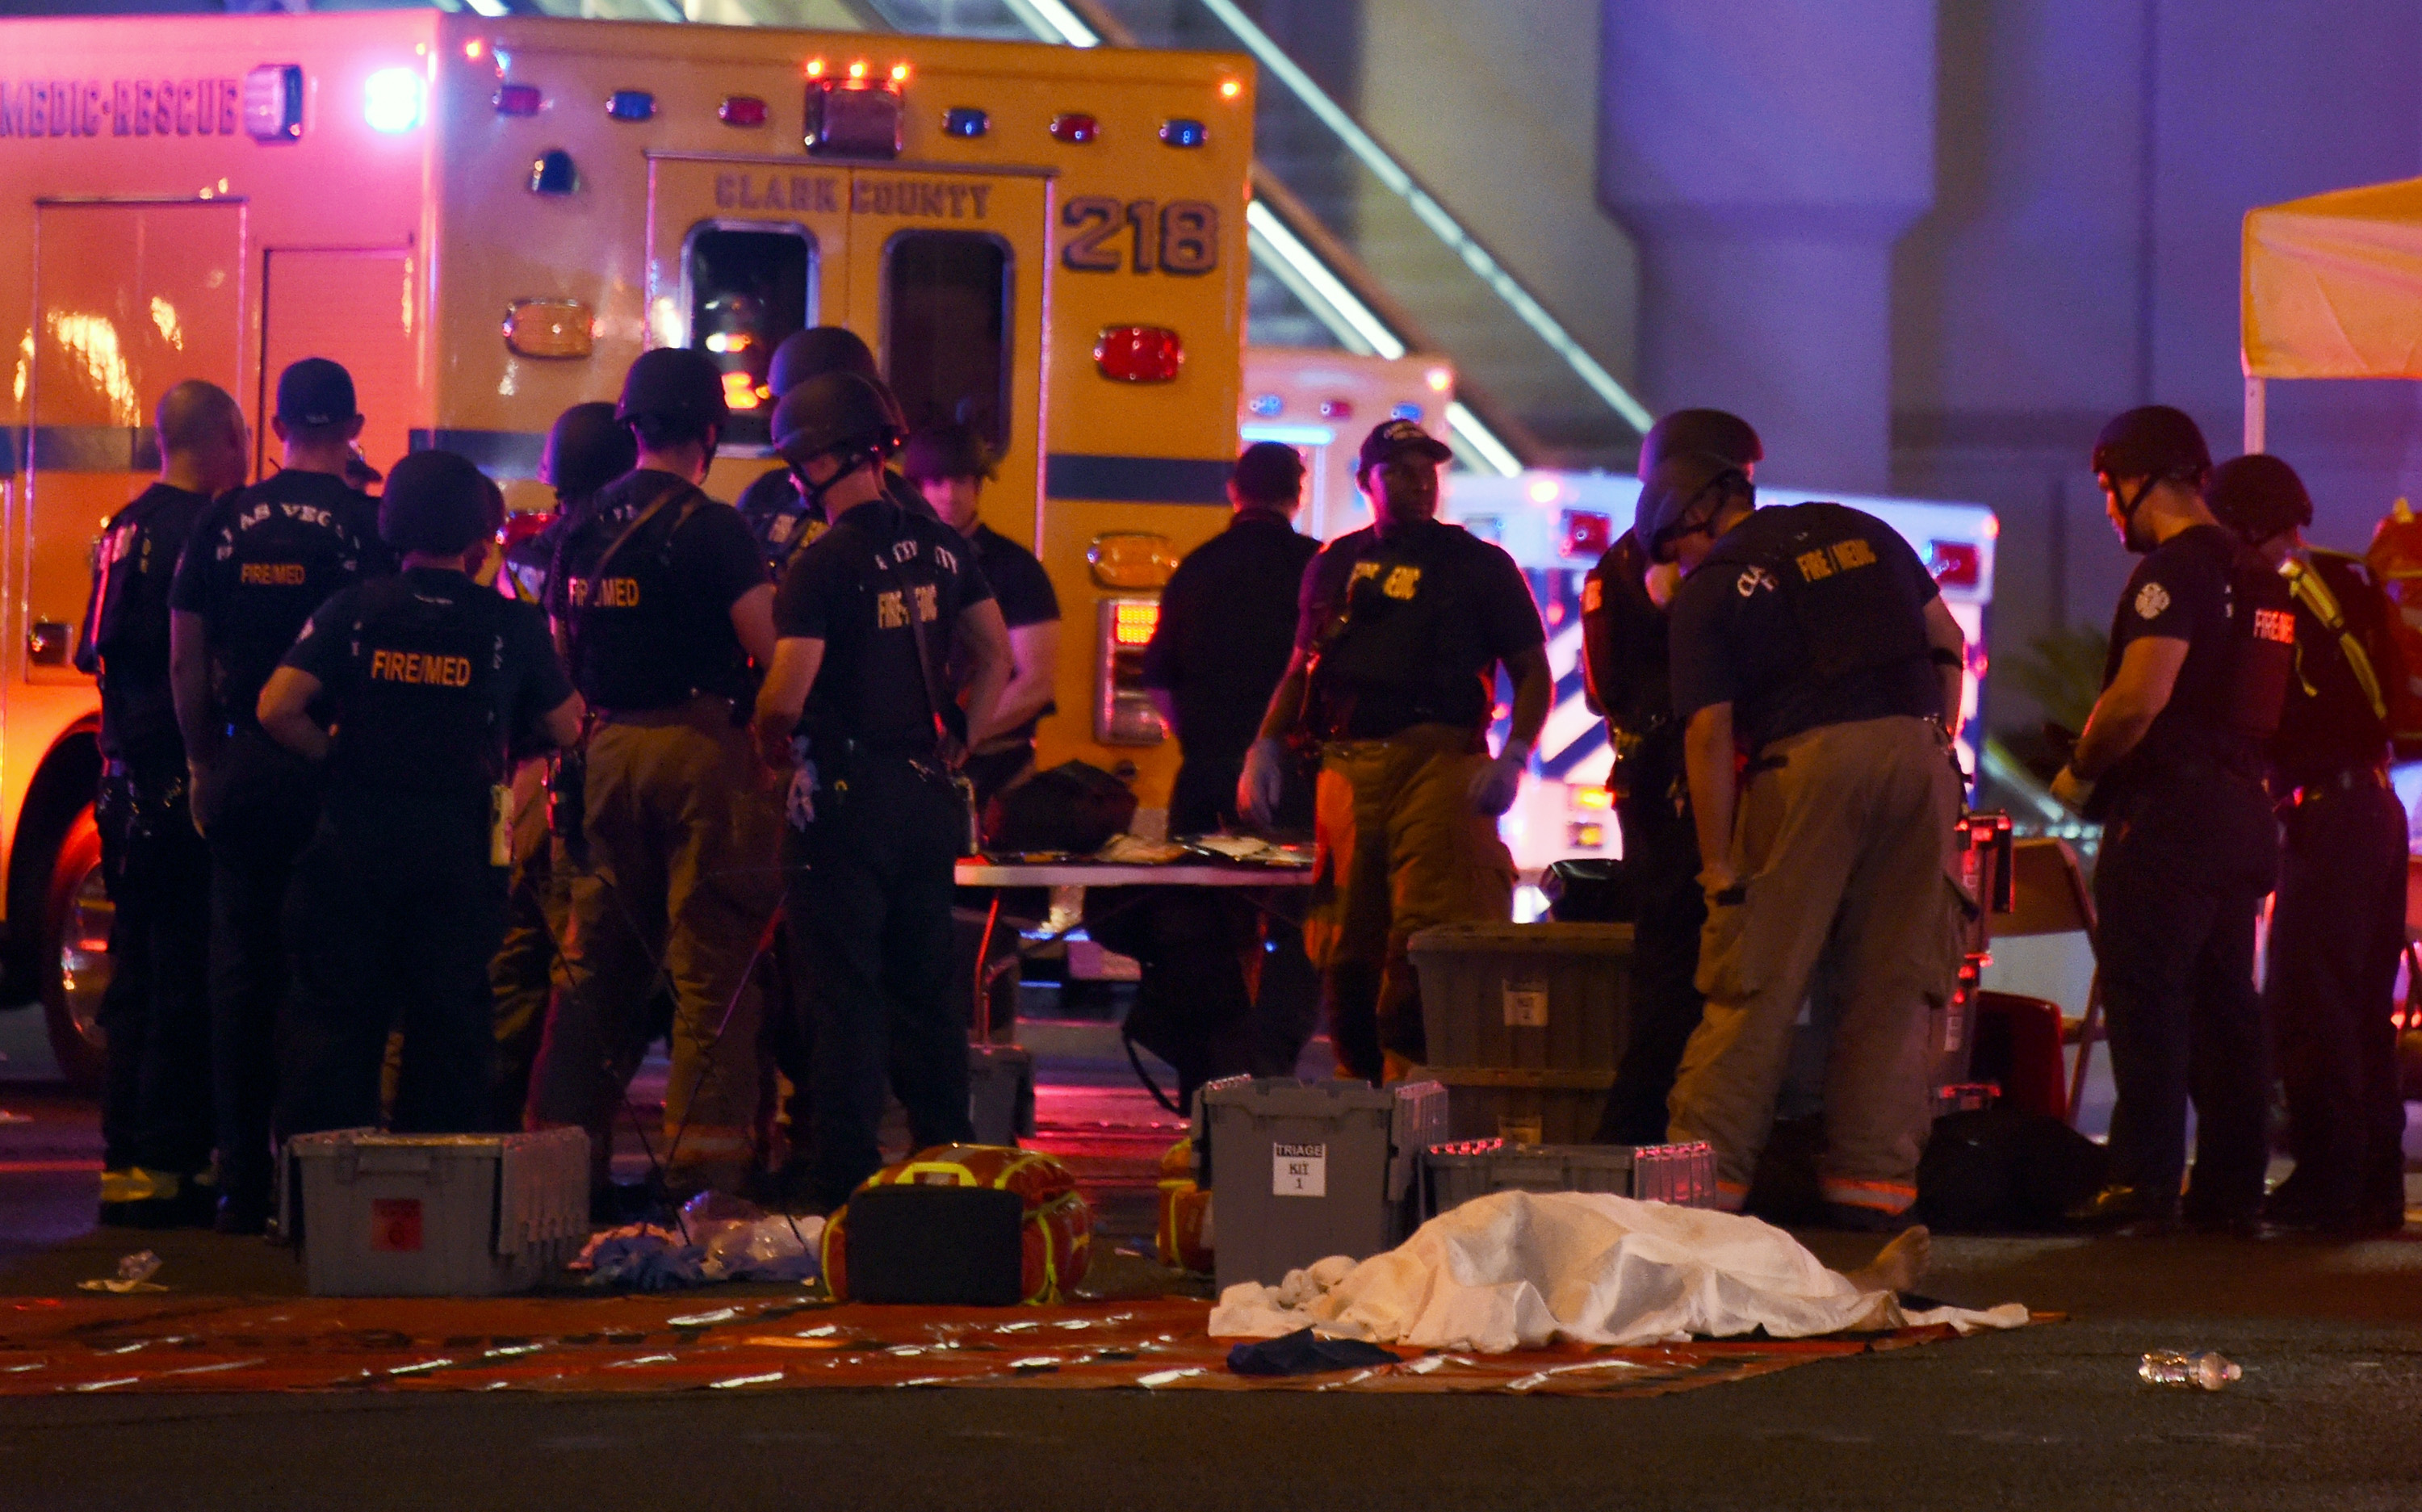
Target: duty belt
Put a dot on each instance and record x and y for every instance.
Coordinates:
(685, 712)
(2347, 780)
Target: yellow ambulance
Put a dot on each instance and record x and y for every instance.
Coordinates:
(486, 219)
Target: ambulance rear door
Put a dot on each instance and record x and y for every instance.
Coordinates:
(742, 251)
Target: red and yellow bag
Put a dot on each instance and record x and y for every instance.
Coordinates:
(1184, 1238)
(1057, 1233)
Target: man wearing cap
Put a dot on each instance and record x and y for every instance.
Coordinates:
(586, 448)
(155, 1115)
(409, 692)
(778, 515)
(1626, 666)
(2337, 924)
(1225, 634)
(256, 568)
(856, 707)
(2202, 648)
(1812, 640)
(950, 464)
(1400, 631)
(663, 606)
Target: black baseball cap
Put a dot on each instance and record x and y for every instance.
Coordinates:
(316, 392)
(2152, 441)
(1269, 472)
(950, 451)
(1400, 438)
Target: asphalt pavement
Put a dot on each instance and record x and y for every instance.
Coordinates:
(2329, 1414)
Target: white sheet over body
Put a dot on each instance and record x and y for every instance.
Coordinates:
(1518, 1269)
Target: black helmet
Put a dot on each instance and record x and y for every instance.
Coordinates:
(945, 452)
(587, 449)
(2154, 442)
(677, 386)
(2259, 498)
(817, 350)
(1713, 432)
(438, 502)
(834, 412)
(1676, 488)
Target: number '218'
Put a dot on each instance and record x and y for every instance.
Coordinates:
(1182, 237)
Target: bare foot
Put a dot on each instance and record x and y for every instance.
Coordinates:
(1898, 1265)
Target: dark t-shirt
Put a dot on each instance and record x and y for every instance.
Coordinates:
(426, 679)
(2328, 724)
(1627, 662)
(2192, 588)
(1805, 615)
(656, 627)
(259, 562)
(1429, 611)
(852, 589)
(1227, 631)
(125, 637)
(1022, 591)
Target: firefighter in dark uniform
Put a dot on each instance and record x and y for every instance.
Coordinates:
(155, 1116)
(586, 448)
(1226, 987)
(2337, 925)
(2171, 763)
(869, 615)
(1626, 666)
(409, 692)
(664, 606)
(950, 466)
(256, 567)
(778, 515)
(1814, 640)
(1400, 631)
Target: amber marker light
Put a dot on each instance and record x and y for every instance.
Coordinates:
(815, 68)
(1229, 88)
(857, 69)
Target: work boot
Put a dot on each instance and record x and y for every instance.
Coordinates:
(2126, 1212)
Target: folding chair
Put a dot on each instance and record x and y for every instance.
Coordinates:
(2048, 896)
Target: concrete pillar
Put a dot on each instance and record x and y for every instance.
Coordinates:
(1767, 155)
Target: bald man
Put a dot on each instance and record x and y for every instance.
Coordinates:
(156, 1120)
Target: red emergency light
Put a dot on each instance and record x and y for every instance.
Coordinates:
(1133, 621)
(1140, 353)
(518, 100)
(1587, 533)
(741, 110)
(1955, 563)
(1074, 128)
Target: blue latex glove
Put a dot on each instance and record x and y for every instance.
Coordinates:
(1494, 786)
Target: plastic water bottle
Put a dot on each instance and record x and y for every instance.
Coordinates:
(2181, 1367)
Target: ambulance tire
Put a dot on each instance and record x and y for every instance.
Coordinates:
(74, 965)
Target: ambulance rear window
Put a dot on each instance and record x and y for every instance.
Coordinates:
(945, 329)
(750, 287)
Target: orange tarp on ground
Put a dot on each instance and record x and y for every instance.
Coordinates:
(692, 1341)
(2333, 285)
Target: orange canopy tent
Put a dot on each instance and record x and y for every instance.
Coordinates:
(2332, 289)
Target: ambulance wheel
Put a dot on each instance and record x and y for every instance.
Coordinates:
(75, 953)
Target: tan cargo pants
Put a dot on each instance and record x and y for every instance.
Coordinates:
(683, 869)
(1399, 849)
(1844, 845)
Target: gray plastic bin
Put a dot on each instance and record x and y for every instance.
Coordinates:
(437, 1215)
(1301, 1171)
(1001, 1092)
(1525, 997)
(1681, 1175)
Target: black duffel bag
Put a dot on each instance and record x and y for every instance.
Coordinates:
(1073, 807)
(1590, 890)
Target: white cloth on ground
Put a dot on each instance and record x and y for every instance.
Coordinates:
(1518, 1269)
